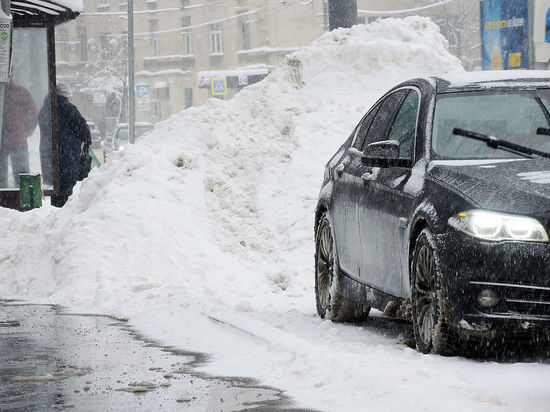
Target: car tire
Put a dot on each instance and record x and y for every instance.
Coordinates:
(430, 310)
(330, 302)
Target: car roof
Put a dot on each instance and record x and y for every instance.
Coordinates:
(491, 79)
(124, 125)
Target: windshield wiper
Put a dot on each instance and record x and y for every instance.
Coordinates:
(543, 131)
(497, 143)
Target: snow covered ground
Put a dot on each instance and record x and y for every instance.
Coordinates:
(201, 235)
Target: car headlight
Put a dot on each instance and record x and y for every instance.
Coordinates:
(486, 225)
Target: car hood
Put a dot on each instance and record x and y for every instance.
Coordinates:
(512, 186)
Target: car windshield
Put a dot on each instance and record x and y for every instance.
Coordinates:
(513, 116)
(123, 132)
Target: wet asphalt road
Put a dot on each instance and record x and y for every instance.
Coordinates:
(52, 360)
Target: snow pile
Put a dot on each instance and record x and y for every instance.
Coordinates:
(202, 235)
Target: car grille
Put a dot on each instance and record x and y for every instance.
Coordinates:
(517, 299)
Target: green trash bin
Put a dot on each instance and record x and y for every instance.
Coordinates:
(95, 160)
(30, 191)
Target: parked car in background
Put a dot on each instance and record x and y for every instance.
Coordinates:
(96, 135)
(120, 136)
(436, 209)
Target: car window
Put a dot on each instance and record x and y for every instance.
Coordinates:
(363, 127)
(379, 126)
(122, 134)
(512, 116)
(404, 127)
(142, 130)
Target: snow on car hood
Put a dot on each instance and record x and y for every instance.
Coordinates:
(514, 186)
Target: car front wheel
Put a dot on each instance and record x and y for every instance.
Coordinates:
(429, 305)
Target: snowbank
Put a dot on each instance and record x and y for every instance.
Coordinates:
(201, 235)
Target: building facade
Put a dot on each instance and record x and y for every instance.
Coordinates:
(187, 51)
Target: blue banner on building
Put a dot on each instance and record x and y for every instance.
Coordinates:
(505, 34)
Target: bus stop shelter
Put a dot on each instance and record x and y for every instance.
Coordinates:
(29, 94)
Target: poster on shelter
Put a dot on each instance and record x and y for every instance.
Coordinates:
(505, 34)
(541, 33)
(5, 44)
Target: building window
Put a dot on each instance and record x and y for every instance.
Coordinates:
(104, 40)
(187, 35)
(103, 4)
(156, 110)
(62, 33)
(184, 3)
(105, 47)
(245, 30)
(83, 42)
(188, 94)
(188, 97)
(62, 37)
(156, 46)
(155, 42)
(187, 42)
(216, 38)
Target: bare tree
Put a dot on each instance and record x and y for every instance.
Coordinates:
(459, 23)
(104, 78)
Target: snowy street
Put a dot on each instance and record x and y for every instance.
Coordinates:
(201, 235)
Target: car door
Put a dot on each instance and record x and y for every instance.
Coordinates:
(346, 198)
(385, 205)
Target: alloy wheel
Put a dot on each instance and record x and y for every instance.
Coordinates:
(325, 263)
(425, 300)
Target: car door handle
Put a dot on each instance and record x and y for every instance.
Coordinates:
(368, 175)
(339, 169)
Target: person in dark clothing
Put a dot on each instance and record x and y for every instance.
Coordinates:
(73, 132)
(19, 120)
(46, 153)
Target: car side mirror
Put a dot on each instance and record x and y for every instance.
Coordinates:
(382, 154)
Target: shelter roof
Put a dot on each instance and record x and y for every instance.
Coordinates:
(33, 12)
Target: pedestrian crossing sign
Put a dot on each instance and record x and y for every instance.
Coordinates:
(218, 86)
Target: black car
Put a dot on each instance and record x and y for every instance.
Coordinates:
(437, 209)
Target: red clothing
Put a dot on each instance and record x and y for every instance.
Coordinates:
(20, 117)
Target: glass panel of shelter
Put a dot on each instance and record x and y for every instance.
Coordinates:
(22, 147)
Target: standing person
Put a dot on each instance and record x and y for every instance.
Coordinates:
(18, 122)
(73, 132)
